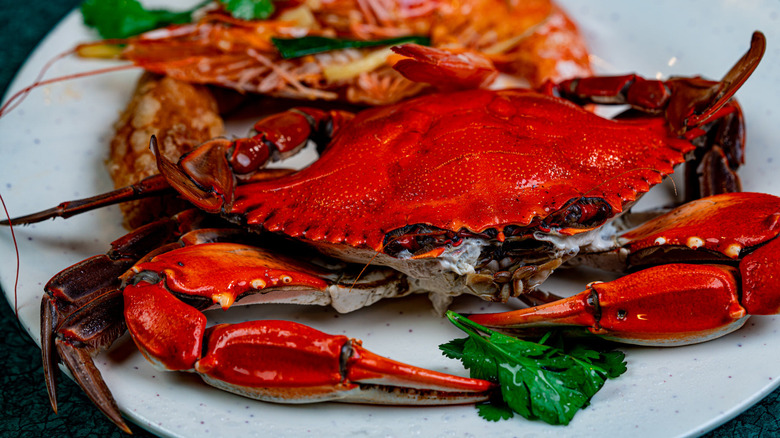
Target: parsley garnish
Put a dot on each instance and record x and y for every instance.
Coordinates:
(117, 19)
(249, 9)
(297, 47)
(537, 381)
(125, 18)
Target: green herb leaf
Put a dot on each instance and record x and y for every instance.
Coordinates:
(125, 18)
(614, 362)
(454, 348)
(477, 358)
(297, 47)
(495, 410)
(249, 9)
(537, 381)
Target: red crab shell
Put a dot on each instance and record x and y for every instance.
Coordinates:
(472, 160)
(687, 226)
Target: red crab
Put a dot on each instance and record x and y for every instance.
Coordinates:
(480, 192)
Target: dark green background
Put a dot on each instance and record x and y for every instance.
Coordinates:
(24, 408)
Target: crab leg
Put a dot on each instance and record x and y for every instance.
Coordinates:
(154, 185)
(732, 238)
(668, 305)
(209, 173)
(688, 104)
(81, 311)
(268, 360)
(287, 362)
(216, 164)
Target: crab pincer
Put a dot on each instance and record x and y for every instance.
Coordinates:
(281, 361)
(705, 267)
(160, 298)
(271, 360)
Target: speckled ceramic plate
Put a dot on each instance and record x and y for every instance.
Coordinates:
(53, 148)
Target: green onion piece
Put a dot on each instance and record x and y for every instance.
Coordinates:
(297, 47)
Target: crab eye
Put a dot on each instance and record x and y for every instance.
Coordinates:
(594, 213)
(573, 214)
(581, 213)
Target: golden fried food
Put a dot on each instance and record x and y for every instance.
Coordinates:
(181, 115)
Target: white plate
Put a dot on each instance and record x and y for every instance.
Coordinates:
(53, 148)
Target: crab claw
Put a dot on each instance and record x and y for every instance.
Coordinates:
(275, 361)
(207, 175)
(287, 362)
(668, 305)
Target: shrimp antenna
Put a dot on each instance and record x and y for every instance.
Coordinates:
(18, 263)
(22, 94)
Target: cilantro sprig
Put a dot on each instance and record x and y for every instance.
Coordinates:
(117, 19)
(125, 18)
(249, 9)
(537, 381)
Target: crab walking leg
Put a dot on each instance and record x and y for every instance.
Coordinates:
(689, 104)
(210, 172)
(155, 185)
(216, 164)
(81, 311)
(281, 361)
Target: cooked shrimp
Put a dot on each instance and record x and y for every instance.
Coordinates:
(532, 40)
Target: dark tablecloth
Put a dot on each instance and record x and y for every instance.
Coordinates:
(24, 406)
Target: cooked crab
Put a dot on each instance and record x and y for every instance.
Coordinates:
(481, 192)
